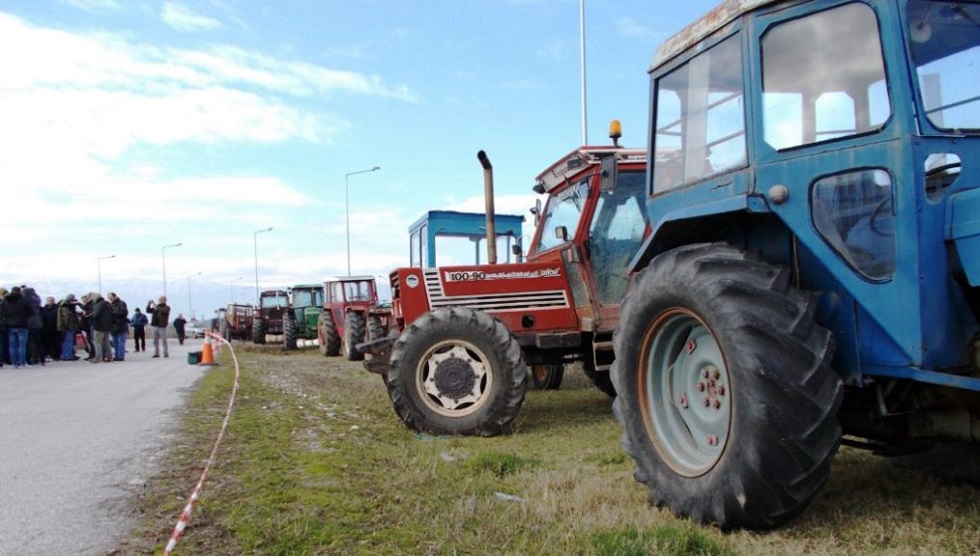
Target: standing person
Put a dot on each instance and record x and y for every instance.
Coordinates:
(159, 321)
(120, 326)
(50, 342)
(139, 323)
(102, 325)
(179, 323)
(85, 325)
(4, 356)
(35, 350)
(68, 324)
(16, 311)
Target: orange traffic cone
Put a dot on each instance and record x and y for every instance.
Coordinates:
(207, 354)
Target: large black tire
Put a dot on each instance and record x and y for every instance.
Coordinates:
(289, 333)
(600, 379)
(376, 330)
(547, 377)
(725, 392)
(258, 331)
(354, 327)
(327, 335)
(457, 371)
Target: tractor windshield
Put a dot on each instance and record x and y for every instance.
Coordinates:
(944, 39)
(563, 212)
(307, 298)
(274, 301)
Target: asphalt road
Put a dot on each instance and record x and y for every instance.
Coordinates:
(78, 441)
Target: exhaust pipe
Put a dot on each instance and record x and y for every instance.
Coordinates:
(488, 196)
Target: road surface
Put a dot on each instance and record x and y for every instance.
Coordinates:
(78, 441)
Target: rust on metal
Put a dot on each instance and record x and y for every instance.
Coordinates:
(720, 16)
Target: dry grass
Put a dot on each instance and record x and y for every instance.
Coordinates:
(315, 462)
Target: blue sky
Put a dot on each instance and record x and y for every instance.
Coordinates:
(130, 125)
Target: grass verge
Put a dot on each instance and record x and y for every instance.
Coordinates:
(315, 462)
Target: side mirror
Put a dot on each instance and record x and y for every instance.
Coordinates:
(609, 173)
(561, 232)
(536, 211)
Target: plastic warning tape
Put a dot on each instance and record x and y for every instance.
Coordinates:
(185, 516)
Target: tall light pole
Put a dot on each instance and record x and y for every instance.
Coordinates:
(98, 264)
(347, 205)
(190, 300)
(255, 246)
(163, 256)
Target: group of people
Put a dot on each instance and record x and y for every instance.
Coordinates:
(32, 333)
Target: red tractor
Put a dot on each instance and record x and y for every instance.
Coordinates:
(351, 315)
(468, 333)
(235, 321)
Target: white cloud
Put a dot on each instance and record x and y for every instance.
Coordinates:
(182, 18)
(629, 27)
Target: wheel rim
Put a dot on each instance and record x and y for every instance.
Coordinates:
(685, 385)
(454, 378)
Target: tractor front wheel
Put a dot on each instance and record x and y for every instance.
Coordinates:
(457, 371)
(258, 331)
(327, 335)
(724, 388)
(354, 327)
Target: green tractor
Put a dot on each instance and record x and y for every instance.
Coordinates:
(307, 303)
(274, 317)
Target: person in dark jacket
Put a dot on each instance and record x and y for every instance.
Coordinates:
(139, 323)
(4, 355)
(85, 325)
(159, 322)
(69, 324)
(102, 326)
(50, 342)
(35, 351)
(179, 323)
(120, 326)
(16, 310)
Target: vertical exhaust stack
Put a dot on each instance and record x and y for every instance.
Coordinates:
(488, 195)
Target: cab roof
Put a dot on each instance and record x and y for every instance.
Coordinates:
(718, 17)
(581, 158)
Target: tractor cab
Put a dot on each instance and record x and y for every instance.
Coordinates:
(273, 316)
(460, 238)
(306, 303)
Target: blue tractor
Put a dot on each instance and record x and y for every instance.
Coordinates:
(812, 277)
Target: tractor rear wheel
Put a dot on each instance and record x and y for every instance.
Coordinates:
(724, 388)
(547, 377)
(354, 326)
(289, 333)
(457, 371)
(327, 335)
(258, 331)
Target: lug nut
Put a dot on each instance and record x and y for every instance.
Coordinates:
(704, 373)
(691, 346)
(717, 404)
(716, 373)
(720, 390)
(707, 402)
(712, 440)
(700, 387)
(683, 401)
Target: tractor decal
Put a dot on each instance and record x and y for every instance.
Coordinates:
(469, 293)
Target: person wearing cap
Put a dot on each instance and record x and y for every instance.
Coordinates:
(68, 324)
(159, 321)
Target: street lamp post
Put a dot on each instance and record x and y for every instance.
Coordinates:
(98, 264)
(255, 246)
(163, 256)
(347, 206)
(190, 299)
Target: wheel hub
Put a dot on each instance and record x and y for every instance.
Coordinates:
(455, 378)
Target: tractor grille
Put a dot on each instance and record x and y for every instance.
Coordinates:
(509, 301)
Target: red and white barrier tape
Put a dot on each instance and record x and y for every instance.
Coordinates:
(185, 516)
